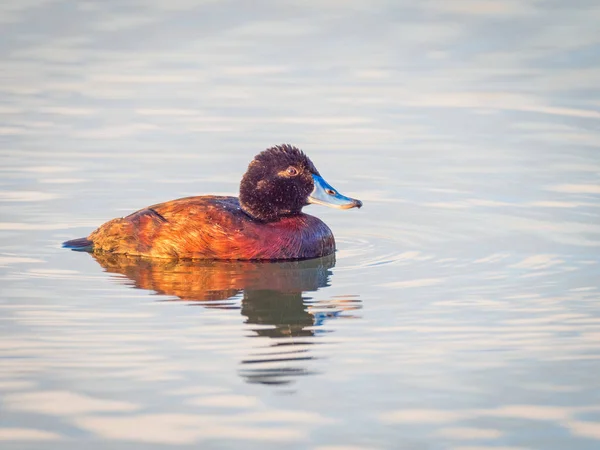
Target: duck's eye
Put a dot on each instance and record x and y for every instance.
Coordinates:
(291, 171)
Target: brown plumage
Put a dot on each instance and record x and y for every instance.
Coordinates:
(210, 227)
(266, 223)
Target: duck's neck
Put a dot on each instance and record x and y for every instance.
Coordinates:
(265, 214)
(264, 211)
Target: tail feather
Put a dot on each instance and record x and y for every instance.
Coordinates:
(80, 245)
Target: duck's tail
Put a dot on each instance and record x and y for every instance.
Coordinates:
(80, 245)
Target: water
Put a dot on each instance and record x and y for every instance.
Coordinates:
(462, 309)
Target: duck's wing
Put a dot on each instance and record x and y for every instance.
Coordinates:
(183, 228)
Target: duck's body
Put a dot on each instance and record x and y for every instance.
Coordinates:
(265, 223)
(211, 227)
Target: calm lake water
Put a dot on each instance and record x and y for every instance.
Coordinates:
(462, 308)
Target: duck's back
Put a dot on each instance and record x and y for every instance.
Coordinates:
(212, 227)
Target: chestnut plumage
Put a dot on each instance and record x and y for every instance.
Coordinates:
(265, 223)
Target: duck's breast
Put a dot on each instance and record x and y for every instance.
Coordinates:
(296, 237)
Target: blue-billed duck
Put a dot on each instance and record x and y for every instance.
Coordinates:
(265, 222)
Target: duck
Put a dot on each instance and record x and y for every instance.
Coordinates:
(265, 222)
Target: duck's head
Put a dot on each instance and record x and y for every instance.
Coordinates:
(281, 180)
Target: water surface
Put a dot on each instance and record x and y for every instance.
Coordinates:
(462, 308)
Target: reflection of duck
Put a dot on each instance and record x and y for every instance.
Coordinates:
(266, 222)
(218, 280)
(272, 297)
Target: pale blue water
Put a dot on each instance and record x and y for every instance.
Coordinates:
(462, 309)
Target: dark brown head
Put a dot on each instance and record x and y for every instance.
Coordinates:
(281, 180)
